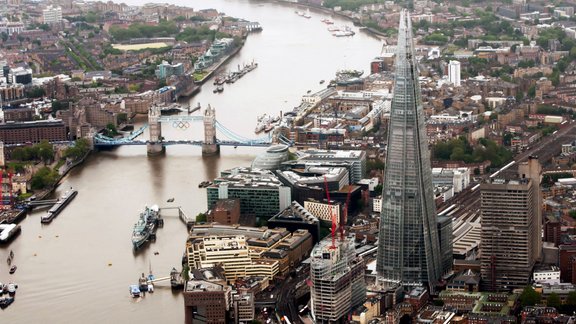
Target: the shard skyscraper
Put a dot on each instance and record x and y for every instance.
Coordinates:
(408, 247)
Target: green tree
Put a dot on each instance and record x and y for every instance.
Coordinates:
(35, 92)
(201, 218)
(571, 299)
(111, 130)
(529, 297)
(45, 151)
(81, 147)
(43, 178)
(532, 91)
(18, 154)
(374, 164)
(553, 300)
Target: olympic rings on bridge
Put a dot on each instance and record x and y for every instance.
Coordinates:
(181, 124)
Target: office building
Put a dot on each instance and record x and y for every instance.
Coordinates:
(229, 251)
(260, 192)
(546, 274)
(225, 211)
(296, 218)
(20, 75)
(243, 307)
(509, 239)
(409, 251)
(272, 158)
(246, 251)
(532, 169)
(324, 211)
(52, 15)
(444, 225)
(454, 73)
(457, 178)
(166, 70)
(337, 276)
(354, 161)
(310, 182)
(10, 92)
(207, 297)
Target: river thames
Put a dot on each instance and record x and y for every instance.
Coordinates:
(78, 268)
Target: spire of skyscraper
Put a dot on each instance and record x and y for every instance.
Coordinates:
(408, 247)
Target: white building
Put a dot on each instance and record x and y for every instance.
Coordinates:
(550, 275)
(458, 178)
(230, 251)
(337, 277)
(377, 204)
(52, 15)
(323, 210)
(454, 73)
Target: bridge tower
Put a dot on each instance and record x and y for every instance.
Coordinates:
(210, 147)
(155, 147)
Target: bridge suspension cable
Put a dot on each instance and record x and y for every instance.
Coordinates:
(110, 140)
(235, 137)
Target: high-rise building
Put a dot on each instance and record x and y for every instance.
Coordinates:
(52, 15)
(408, 248)
(508, 240)
(533, 169)
(454, 73)
(337, 276)
(166, 69)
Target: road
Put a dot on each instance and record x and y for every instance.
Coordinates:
(286, 304)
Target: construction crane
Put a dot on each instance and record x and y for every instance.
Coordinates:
(331, 214)
(345, 220)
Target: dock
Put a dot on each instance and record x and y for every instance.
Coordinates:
(146, 283)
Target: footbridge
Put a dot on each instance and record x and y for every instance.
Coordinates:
(156, 143)
(188, 221)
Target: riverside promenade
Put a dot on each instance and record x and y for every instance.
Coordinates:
(221, 61)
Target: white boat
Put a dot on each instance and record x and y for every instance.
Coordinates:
(12, 288)
(333, 28)
(343, 32)
(135, 291)
(307, 14)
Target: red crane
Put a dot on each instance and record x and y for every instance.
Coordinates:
(345, 220)
(331, 213)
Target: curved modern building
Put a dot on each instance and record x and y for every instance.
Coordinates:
(272, 158)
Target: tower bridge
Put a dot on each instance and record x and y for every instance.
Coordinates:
(156, 143)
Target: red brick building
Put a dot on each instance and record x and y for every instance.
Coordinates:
(32, 131)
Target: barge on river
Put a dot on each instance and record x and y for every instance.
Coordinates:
(59, 206)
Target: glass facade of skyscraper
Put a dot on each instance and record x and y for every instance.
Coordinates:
(408, 249)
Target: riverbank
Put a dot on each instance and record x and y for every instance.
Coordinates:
(221, 62)
(378, 34)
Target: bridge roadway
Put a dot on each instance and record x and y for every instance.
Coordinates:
(468, 201)
(184, 142)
